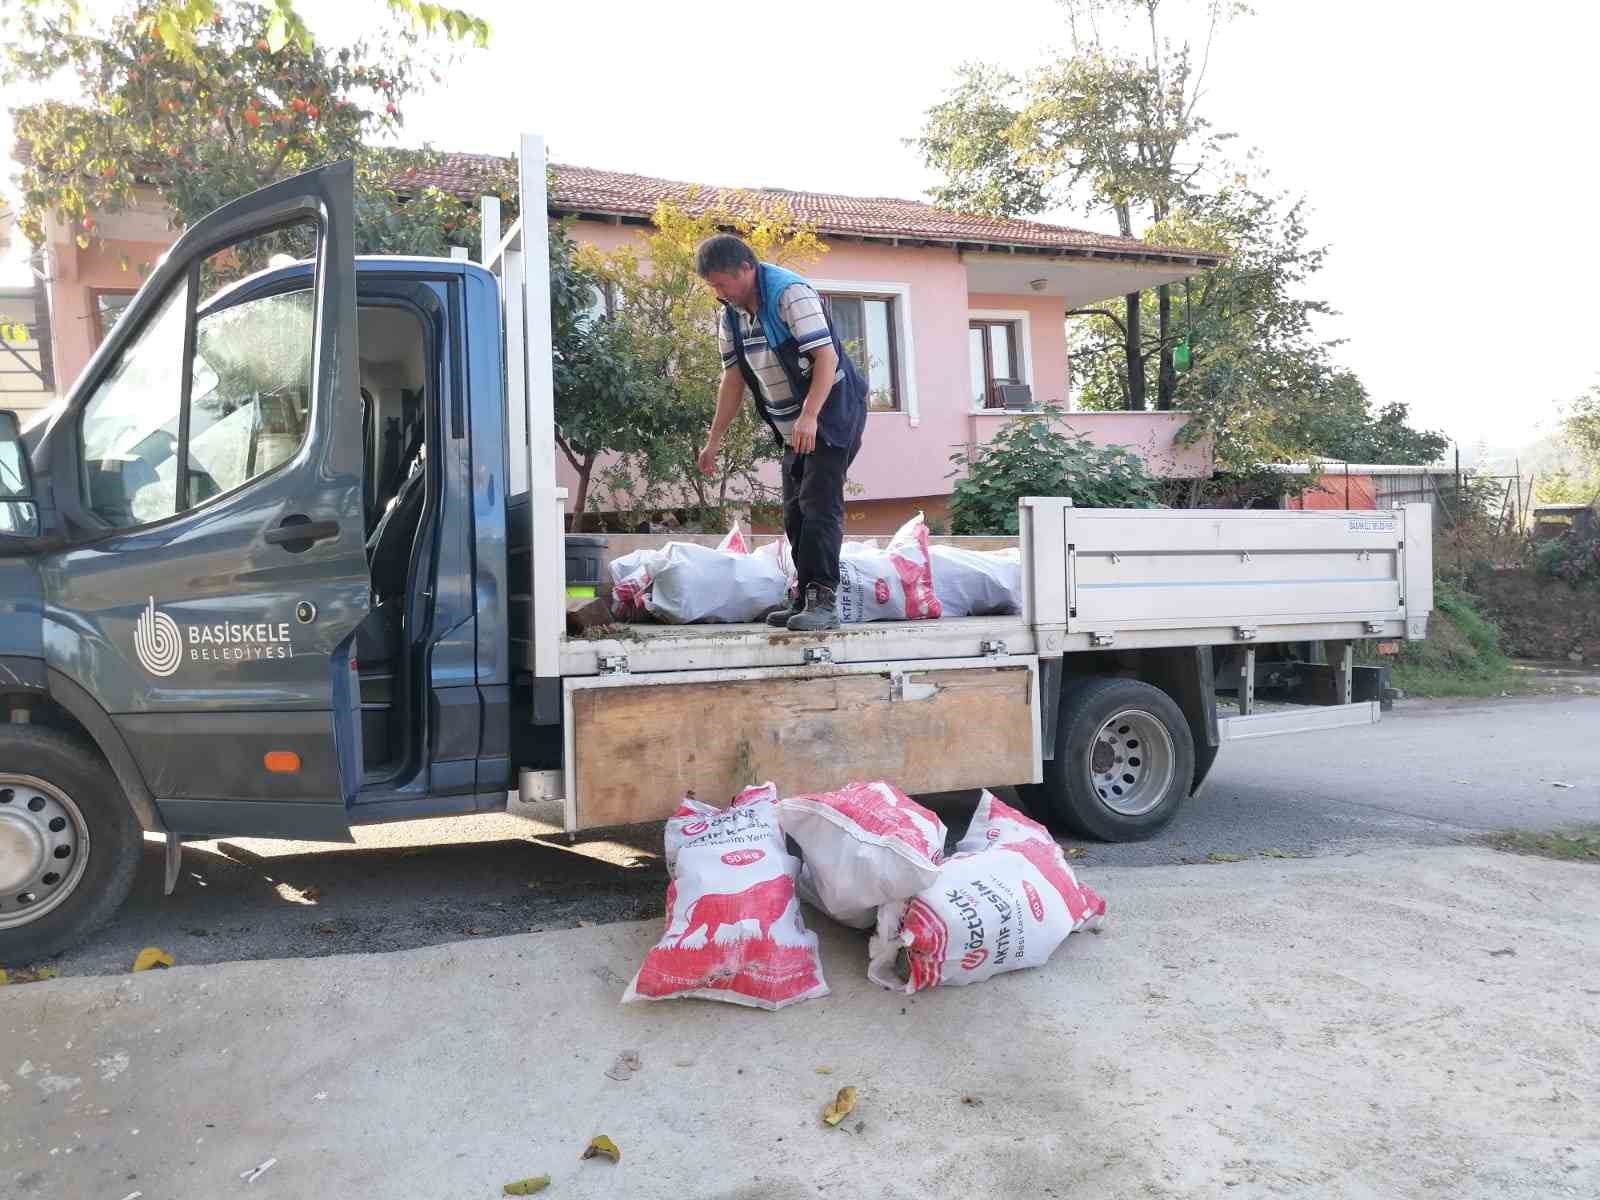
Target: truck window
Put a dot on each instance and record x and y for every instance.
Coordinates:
(249, 396)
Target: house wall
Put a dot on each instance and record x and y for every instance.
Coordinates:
(75, 276)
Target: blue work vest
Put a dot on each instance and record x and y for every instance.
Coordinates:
(844, 414)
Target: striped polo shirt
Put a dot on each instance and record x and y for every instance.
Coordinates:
(801, 310)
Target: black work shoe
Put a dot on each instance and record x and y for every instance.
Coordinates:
(778, 617)
(821, 611)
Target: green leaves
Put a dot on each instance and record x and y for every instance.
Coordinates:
(1031, 457)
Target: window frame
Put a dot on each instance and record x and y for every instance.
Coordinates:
(238, 292)
(95, 293)
(903, 342)
(861, 298)
(1021, 351)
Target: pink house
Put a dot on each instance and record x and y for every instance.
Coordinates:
(951, 314)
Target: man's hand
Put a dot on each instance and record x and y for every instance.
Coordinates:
(803, 438)
(708, 460)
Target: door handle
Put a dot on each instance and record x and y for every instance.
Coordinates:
(297, 533)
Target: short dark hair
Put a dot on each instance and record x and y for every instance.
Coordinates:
(722, 253)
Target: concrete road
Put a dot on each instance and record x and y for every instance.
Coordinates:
(1401, 1023)
(1430, 773)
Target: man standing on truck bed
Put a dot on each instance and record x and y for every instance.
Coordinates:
(777, 342)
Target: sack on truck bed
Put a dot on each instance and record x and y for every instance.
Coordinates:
(977, 583)
(700, 583)
(1004, 904)
(734, 930)
(892, 585)
(863, 845)
(630, 582)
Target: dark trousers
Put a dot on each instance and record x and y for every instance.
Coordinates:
(813, 511)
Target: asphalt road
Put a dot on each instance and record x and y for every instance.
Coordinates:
(1430, 773)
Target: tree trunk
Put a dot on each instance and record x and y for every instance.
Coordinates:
(1132, 351)
(580, 504)
(1167, 379)
(1133, 354)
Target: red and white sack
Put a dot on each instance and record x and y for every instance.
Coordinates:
(631, 575)
(994, 820)
(863, 845)
(977, 583)
(778, 552)
(895, 584)
(700, 583)
(734, 542)
(734, 930)
(1001, 908)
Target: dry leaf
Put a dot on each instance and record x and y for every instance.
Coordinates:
(1275, 854)
(627, 1063)
(1224, 856)
(1074, 851)
(527, 1187)
(602, 1145)
(824, 1070)
(841, 1106)
(4, 978)
(152, 956)
(475, 930)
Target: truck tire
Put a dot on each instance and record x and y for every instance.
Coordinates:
(1124, 761)
(69, 842)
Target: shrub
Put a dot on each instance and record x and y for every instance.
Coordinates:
(1030, 456)
(1572, 556)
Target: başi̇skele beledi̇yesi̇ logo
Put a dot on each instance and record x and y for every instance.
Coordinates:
(162, 644)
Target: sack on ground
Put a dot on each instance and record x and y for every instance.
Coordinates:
(892, 585)
(734, 930)
(700, 583)
(1000, 908)
(863, 845)
(977, 583)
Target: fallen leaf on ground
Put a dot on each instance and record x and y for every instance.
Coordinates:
(602, 1145)
(585, 924)
(973, 1100)
(27, 975)
(1224, 856)
(1275, 854)
(1074, 851)
(1507, 952)
(824, 1070)
(627, 1063)
(476, 930)
(527, 1187)
(152, 956)
(328, 929)
(840, 1107)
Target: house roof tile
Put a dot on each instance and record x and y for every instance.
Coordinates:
(587, 190)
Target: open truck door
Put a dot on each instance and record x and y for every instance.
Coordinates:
(209, 472)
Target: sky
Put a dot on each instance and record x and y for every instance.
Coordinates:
(1445, 148)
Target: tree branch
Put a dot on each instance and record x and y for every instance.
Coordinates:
(1098, 312)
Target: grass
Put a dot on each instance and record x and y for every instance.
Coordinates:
(1461, 656)
(1580, 843)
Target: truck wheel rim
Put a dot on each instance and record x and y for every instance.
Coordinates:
(1130, 762)
(44, 848)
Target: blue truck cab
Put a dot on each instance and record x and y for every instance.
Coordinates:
(253, 570)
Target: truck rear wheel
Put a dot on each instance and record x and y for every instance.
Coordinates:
(69, 843)
(1124, 761)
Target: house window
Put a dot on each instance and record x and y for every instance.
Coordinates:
(992, 358)
(866, 327)
(108, 307)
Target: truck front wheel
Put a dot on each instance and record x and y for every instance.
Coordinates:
(69, 843)
(1124, 761)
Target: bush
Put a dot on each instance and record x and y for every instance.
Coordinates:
(1031, 457)
(1572, 557)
